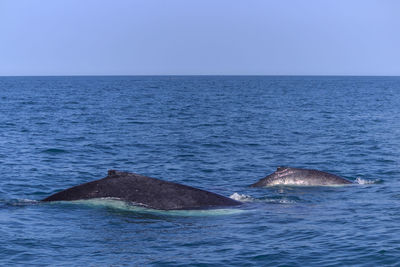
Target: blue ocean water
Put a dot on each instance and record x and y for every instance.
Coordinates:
(216, 133)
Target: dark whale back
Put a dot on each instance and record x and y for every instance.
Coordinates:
(296, 176)
(146, 191)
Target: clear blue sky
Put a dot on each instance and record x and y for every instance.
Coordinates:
(261, 37)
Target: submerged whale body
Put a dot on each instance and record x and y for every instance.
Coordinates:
(305, 177)
(144, 191)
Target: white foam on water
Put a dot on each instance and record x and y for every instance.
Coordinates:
(21, 202)
(364, 181)
(279, 201)
(241, 197)
(246, 198)
(25, 200)
(137, 207)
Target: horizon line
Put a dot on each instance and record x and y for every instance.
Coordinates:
(213, 75)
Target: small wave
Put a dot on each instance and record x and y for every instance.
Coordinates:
(54, 151)
(241, 197)
(273, 200)
(137, 122)
(19, 202)
(279, 200)
(27, 201)
(364, 181)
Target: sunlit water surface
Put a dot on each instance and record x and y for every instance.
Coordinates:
(215, 133)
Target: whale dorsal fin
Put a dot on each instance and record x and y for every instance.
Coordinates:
(279, 169)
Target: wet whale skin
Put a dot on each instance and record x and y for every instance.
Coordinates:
(145, 191)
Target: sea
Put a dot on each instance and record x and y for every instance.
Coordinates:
(217, 133)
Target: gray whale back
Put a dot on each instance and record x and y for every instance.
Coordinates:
(296, 176)
(145, 191)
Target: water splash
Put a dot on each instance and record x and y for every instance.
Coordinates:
(241, 197)
(364, 181)
(270, 199)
